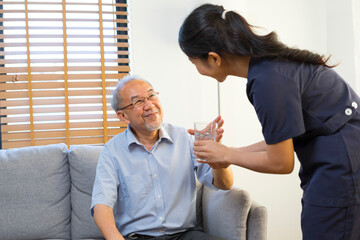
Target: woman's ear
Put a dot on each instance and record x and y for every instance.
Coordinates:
(214, 59)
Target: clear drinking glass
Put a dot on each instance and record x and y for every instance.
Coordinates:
(205, 130)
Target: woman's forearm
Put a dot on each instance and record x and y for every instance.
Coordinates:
(252, 160)
(274, 158)
(256, 147)
(259, 157)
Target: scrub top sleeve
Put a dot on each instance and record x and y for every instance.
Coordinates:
(277, 102)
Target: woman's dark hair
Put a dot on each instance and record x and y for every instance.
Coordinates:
(206, 30)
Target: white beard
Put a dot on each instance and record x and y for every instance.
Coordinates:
(153, 127)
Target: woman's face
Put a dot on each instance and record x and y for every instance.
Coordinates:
(207, 69)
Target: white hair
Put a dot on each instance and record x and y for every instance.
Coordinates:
(116, 100)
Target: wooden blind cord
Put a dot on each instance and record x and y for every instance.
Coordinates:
(31, 110)
(114, 24)
(66, 77)
(103, 77)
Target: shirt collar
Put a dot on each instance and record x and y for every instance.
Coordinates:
(132, 140)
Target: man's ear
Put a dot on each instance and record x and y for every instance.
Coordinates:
(214, 59)
(122, 116)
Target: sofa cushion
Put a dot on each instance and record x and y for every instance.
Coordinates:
(83, 161)
(35, 193)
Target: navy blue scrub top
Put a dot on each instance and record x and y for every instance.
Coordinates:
(313, 105)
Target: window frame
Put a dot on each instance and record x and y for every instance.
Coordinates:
(118, 126)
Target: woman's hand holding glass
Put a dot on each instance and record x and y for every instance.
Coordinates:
(211, 152)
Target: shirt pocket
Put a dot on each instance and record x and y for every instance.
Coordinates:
(136, 191)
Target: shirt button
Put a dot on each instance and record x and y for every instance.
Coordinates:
(161, 218)
(354, 104)
(150, 154)
(161, 231)
(158, 196)
(155, 175)
(348, 111)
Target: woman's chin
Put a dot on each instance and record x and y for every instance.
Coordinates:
(221, 79)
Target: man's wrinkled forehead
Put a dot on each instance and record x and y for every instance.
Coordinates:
(129, 88)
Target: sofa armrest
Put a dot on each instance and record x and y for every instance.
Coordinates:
(225, 213)
(257, 222)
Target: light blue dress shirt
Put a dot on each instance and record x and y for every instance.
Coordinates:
(152, 192)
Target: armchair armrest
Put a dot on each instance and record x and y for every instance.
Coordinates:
(225, 213)
(257, 222)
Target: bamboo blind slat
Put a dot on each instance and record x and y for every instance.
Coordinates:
(54, 84)
(57, 73)
(49, 118)
(16, 111)
(49, 94)
(61, 52)
(59, 134)
(60, 69)
(60, 20)
(26, 127)
(70, 44)
(49, 36)
(26, 135)
(73, 141)
(27, 143)
(59, 3)
(40, 102)
(60, 11)
(92, 140)
(88, 60)
(125, 29)
(61, 126)
(45, 77)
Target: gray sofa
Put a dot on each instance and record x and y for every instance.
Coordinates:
(45, 193)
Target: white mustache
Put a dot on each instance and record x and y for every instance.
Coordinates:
(149, 113)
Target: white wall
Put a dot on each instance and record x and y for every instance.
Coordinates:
(356, 31)
(340, 36)
(187, 96)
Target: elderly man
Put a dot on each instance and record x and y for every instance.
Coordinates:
(145, 185)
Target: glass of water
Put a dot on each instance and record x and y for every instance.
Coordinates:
(205, 130)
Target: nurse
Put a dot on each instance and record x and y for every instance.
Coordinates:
(303, 106)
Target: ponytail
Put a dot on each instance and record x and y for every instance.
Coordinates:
(209, 28)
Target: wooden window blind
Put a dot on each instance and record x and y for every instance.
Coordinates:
(59, 62)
